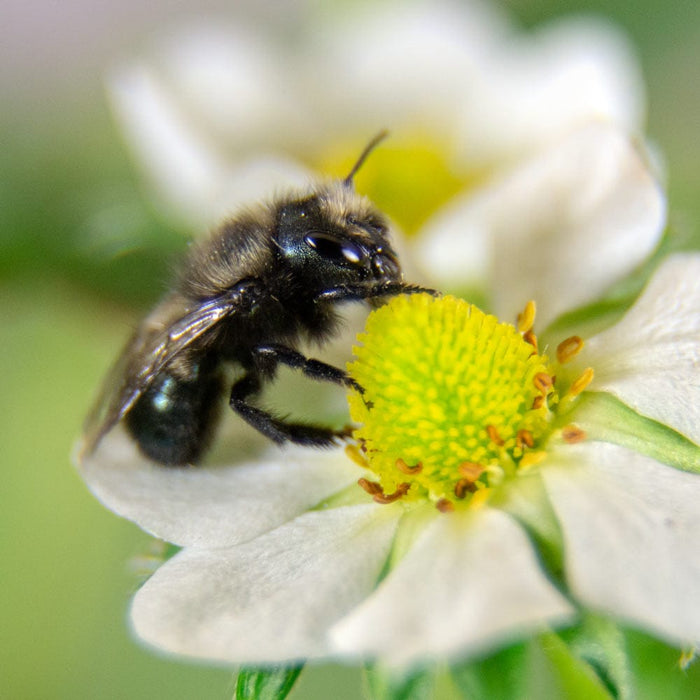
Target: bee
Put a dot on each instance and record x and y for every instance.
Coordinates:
(267, 279)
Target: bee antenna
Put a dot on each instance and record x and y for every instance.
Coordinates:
(378, 138)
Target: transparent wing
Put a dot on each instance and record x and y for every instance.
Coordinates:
(163, 336)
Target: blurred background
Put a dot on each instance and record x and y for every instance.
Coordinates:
(83, 252)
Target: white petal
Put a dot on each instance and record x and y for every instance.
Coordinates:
(411, 62)
(235, 81)
(651, 358)
(562, 227)
(631, 537)
(253, 180)
(183, 162)
(471, 581)
(270, 600)
(538, 86)
(213, 506)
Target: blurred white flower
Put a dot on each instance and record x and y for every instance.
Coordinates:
(226, 112)
(283, 554)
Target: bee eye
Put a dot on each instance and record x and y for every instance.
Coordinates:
(334, 249)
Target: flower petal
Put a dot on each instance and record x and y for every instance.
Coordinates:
(236, 80)
(471, 581)
(182, 162)
(651, 358)
(537, 86)
(630, 530)
(412, 62)
(270, 600)
(213, 506)
(562, 227)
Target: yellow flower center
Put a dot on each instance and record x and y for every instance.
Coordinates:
(410, 176)
(454, 400)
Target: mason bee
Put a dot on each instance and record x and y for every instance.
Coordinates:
(266, 279)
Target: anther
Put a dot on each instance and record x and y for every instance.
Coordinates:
(582, 382)
(464, 486)
(531, 338)
(573, 434)
(495, 438)
(445, 506)
(401, 491)
(543, 383)
(408, 469)
(371, 487)
(524, 438)
(480, 498)
(356, 455)
(530, 459)
(538, 402)
(526, 319)
(470, 470)
(568, 349)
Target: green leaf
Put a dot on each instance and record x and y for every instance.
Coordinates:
(601, 644)
(266, 684)
(502, 675)
(543, 667)
(659, 670)
(383, 684)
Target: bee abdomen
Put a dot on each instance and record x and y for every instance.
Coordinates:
(173, 420)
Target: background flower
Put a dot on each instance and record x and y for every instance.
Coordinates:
(463, 93)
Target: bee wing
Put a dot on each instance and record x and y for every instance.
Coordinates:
(156, 343)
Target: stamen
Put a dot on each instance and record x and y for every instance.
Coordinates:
(581, 383)
(374, 489)
(573, 434)
(409, 469)
(524, 438)
(543, 383)
(538, 402)
(495, 438)
(371, 487)
(471, 470)
(356, 455)
(401, 491)
(480, 498)
(568, 349)
(445, 506)
(464, 486)
(531, 338)
(526, 319)
(530, 459)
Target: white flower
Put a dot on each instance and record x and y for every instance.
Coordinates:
(450, 79)
(283, 554)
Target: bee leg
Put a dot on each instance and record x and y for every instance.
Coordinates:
(360, 292)
(271, 426)
(267, 357)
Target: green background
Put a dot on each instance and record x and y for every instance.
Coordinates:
(69, 297)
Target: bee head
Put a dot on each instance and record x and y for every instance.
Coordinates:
(335, 236)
